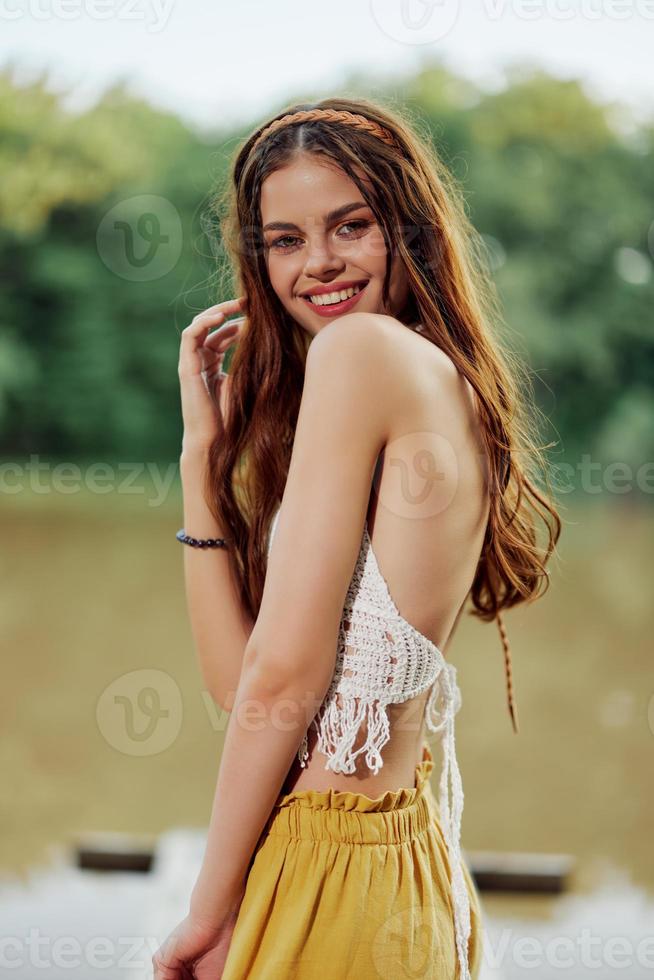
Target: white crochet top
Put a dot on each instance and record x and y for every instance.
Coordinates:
(381, 659)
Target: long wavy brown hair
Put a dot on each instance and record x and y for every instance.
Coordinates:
(407, 187)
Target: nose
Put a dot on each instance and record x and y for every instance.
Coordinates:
(321, 260)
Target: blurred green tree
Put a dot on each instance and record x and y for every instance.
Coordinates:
(560, 186)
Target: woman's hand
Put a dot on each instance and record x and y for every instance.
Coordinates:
(203, 383)
(194, 949)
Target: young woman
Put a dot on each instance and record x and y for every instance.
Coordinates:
(369, 463)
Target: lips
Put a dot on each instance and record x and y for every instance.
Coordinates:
(334, 309)
(334, 287)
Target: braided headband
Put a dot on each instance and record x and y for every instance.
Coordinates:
(329, 115)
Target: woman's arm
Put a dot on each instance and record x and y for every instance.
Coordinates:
(220, 626)
(343, 424)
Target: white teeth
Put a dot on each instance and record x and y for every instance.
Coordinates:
(324, 299)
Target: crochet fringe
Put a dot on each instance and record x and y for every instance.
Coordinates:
(338, 728)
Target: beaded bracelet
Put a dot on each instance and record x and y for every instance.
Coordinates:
(201, 542)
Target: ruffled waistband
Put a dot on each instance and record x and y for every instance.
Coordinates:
(331, 814)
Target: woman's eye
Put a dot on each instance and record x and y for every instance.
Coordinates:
(286, 243)
(358, 225)
(278, 243)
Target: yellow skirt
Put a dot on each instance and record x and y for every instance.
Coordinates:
(345, 886)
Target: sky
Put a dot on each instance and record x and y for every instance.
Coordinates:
(226, 61)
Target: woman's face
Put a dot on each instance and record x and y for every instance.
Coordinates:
(321, 237)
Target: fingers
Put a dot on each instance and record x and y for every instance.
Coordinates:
(237, 305)
(195, 337)
(230, 305)
(203, 321)
(225, 335)
(162, 970)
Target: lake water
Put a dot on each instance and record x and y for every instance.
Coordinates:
(93, 606)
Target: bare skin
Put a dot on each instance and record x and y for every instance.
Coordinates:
(319, 252)
(430, 589)
(427, 563)
(428, 574)
(203, 383)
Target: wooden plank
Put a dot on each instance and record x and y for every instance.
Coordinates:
(492, 871)
(520, 871)
(114, 852)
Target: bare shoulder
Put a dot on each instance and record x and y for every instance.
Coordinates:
(420, 351)
(357, 347)
(385, 357)
(358, 334)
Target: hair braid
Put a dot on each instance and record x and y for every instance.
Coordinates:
(513, 711)
(329, 115)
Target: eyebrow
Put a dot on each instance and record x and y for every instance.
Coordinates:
(329, 218)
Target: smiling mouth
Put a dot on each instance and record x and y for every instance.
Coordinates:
(335, 298)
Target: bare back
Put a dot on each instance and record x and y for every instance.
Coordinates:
(427, 517)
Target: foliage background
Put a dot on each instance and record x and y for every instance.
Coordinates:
(560, 186)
